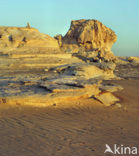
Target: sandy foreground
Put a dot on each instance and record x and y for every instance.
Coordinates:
(80, 128)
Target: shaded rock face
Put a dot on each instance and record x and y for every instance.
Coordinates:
(17, 37)
(90, 34)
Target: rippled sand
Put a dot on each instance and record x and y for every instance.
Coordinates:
(80, 128)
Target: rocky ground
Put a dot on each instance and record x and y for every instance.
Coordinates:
(67, 116)
(128, 71)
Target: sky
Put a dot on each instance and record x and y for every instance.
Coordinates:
(54, 16)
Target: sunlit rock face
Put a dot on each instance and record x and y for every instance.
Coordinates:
(90, 34)
(18, 37)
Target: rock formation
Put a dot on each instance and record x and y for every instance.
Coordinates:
(19, 37)
(86, 71)
(42, 77)
(28, 25)
(89, 35)
(133, 59)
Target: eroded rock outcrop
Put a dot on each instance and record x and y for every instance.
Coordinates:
(18, 37)
(41, 77)
(133, 59)
(86, 71)
(89, 35)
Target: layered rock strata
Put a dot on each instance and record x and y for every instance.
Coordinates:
(33, 75)
(20, 37)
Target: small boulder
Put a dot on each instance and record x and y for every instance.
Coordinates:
(107, 98)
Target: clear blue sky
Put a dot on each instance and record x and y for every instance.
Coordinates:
(53, 17)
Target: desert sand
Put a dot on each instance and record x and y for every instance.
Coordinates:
(68, 95)
(83, 128)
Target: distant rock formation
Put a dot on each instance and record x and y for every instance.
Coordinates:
(28, 25)
(59, 38)
(133, 59)
(18, 37)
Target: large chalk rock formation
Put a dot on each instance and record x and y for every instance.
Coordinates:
(89, 35)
